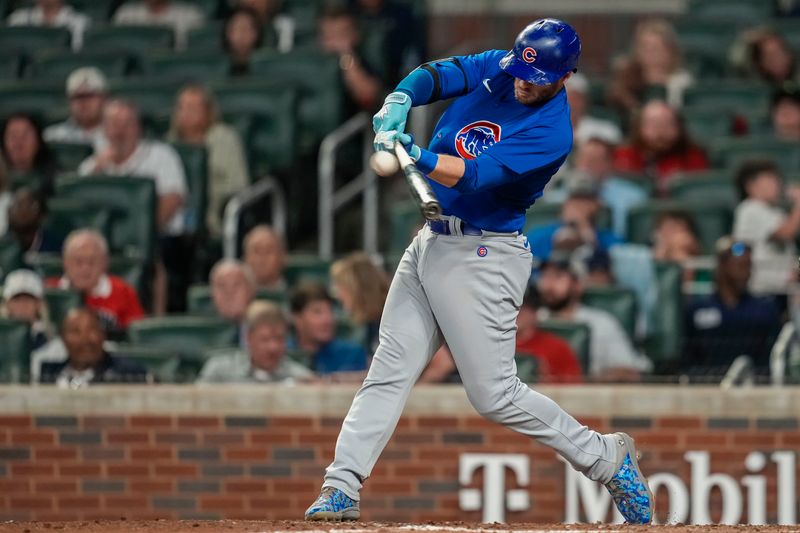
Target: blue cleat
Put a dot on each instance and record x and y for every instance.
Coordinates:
(628, 487)
(333, 504)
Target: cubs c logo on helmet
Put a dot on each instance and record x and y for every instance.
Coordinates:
(474, 139)
(529, 55)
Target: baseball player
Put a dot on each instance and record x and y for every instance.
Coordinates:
(463, 277)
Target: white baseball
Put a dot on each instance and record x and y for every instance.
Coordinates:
(384, 163)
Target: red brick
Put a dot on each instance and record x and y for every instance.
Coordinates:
(328, 438)
(78, 502)
(148, 422)
(706, 440)
(221, 503)
(128, 437)
(199, 422)
(68, 487)
(224, 438)
(438, 454)
(415, 470)
(680, 422)
(389, 487)
(246, 454)
(128, 469)
(272, 502)
(57, 516)
(657, 439)
(790, 438)
(33, 469)
(129, 503)
(151, 486)
(149, 453)
(175, 469)
(42, 436)
(437, 422)
(30, 503)
(248, 486)
(79, 469)
(747, 439)
(279, 422)
(8, 486)
(16, 421)
(270, 437)
(55, 453)
(176, 437)
(103, 422)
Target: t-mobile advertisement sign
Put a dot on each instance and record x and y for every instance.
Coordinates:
(588, 501)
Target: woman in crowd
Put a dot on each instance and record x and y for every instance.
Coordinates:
(764, 54)
(26, 154)
(242, 35)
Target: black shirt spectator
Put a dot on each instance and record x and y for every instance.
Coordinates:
(242, 35)
(26, 155)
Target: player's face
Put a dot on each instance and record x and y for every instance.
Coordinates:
(530, 94)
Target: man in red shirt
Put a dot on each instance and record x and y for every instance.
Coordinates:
(85, 262)
(557, 360)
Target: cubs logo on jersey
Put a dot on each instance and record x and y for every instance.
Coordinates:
(474, 139)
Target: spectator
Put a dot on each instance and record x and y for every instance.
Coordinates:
(731, 322)
(315, 332)
(361, 287)
(86, 271)
(598, 268)
(233, 289)
(339, 34)
(764, 54)
(23, 299)
(269, 16)
(242, 35)
(26, 154)
(785, 113)
(86, 89)
(195, 120)
(264, 360)
(578, 223)
(180, 16)
(5, 198)
(25, 223)
(654, 63)
(585, 126)
(265, 254)
(611, 354)
(675, 240)
(557, 362)
(87, 361)
(660, 146)
(128, 154)
(760, 221)
(53, 13)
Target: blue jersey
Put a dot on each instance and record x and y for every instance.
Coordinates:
(530, 142)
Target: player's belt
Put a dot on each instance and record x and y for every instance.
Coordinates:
(442, 227)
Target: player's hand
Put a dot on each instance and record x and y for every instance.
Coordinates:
(793, 193)
(385, 140)
(393, 114)
(407, 141)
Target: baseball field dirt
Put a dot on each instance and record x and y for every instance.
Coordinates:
(255, 526)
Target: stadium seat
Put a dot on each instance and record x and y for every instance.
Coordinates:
(10, 256)
(733, 151)
(705, 124)
(11, 63)
(576, 335)
(197, 66)
(729, 96)
(67, 214)
(301, 267)
(70, 155)
(151, 96)
(208, 37)
(712, 220)
(527, 368)
(33, 97)
(664, 343)
(134, 271)
(60, 302)
(15, 356)
(132, 202)
(34, 38)
(57, 65)
(163, 364)
(715, 186)
(195, 164)
(318, 78)
(264, 115)
(750, 11)
(129, 39)
(619, 301)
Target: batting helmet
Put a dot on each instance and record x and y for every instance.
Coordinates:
(543, 52)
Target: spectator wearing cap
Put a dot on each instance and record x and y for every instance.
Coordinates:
(315, 332)
(578, 223)
(264, 359)
(182, 17)
(611, 353)
(557, 362)
(26, 155)
(86, 90)
(265, 254)
(86, 271)
(584, 125)
(785, 115)
(760, 221)
(53, 13)
(731, 321)
(87, 362)
(660, 146)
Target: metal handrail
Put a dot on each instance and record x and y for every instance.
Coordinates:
(266, 186)
(330, 200)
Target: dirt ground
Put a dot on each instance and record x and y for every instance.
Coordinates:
(253, 526)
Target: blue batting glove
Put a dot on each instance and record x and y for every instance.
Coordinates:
(384, 141)
(407, 141)
(393, 114)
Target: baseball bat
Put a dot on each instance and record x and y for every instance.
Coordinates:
(420, 188)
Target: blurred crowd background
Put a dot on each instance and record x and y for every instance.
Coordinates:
(139, 137)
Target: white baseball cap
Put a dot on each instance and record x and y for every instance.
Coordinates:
(22, 282)
(86, 80)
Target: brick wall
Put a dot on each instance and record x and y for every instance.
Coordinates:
(146, 466)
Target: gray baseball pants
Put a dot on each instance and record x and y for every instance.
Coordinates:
(447, 288)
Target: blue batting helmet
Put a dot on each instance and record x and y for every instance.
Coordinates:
(543, 52)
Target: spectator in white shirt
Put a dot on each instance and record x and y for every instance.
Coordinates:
(585, 126)
(128, 154)
(86, 89)
(52, 13)
(180, 16)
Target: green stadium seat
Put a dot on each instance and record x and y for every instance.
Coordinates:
(11, 63)
(129, 39)
(10, 256)
(60, 302)
(163, 364)
(577, 336)
(727, 97)
(732, 152)
(70, 155)
(68, 214)
(707, 124)
(195, 164)
(404, 219)
(750, 11)
(527, 368)
(619, 301)
(134, 271)
(706, 63)
(151, 96)
(264, 116)
(208, 37)
(15, 356)
(317, 76)
(197, 66)
(34, 97)
(132, 202)
(715, 186)
(34, 38)
(301, 267)
(665, 341)
(712, 220)
(57, 65)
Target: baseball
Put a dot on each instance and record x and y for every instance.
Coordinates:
(384, 163)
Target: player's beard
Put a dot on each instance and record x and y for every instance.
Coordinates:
(531, 95)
